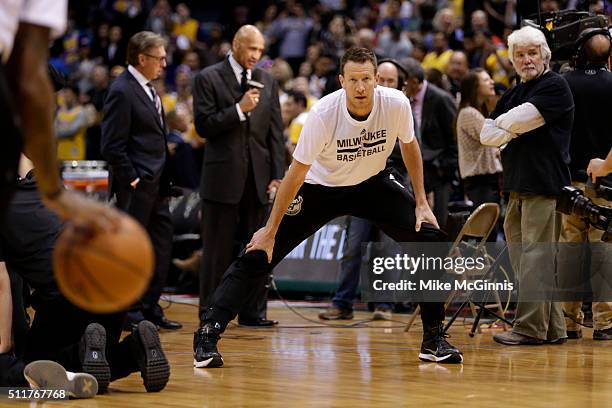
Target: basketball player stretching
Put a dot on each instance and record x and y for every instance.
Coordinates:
(339, 169)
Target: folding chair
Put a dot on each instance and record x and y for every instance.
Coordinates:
(477, 227)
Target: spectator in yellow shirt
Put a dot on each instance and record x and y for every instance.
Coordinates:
(439, 57)
(294, 110)
(499, 67)
(71, 123)
(300, 84)
(184, 24)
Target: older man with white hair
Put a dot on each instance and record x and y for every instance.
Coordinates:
(532, 123)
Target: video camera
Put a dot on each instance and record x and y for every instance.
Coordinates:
(567, 31)
(573, 201)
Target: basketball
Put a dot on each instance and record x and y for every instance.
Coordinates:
(105, 273)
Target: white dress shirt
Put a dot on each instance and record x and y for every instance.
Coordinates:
(237, 68)
(142, 81)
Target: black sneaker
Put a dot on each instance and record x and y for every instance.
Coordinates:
(152, 362)
(436, 349)
(605, 334)
(205, 346)
(92, 351)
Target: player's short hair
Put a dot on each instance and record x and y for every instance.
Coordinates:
(358, 55)
(142, 42)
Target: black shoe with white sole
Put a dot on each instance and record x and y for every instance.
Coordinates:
(435, 348)
(152, 362)
(92, 351)
(205, 350)
(49, 375)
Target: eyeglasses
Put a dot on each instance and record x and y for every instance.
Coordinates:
(155, 57)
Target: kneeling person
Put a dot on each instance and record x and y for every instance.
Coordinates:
(339, 169)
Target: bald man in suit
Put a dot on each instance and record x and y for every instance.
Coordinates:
(244, 159)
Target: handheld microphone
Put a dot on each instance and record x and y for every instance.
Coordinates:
(255, 84)
(255, 81)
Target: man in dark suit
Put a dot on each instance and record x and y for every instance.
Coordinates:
(243, 161)
(134, 144)
(434, 111)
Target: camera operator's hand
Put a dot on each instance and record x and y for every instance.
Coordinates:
(599, 167)
(249, 100)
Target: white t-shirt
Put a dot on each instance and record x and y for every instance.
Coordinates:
(344, 151)
(45, 13)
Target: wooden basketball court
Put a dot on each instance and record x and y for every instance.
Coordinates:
(300, 364)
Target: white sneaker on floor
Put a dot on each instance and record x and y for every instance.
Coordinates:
(382, 314)
(46, 374)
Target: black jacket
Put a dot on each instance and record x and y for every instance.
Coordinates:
(231, 144)
(133, 138)
(439, 146)
(591, 134)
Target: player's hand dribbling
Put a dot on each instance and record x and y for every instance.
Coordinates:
(424, 214)
(86, 214)
(262, 240)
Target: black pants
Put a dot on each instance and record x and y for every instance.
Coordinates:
(380, 199)
(151, 210)
(69, 323)
(441, 186)
(28, 232)
(226, 229)
(481, 189)
(11, 142)
(56, 333)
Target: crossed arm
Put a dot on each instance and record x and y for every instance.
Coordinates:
(521, 119)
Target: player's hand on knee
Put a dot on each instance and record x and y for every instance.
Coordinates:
(424, 214)
(262, 240)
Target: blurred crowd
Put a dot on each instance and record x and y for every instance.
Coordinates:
(304, 41)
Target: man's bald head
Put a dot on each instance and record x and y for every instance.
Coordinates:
(597, 49)
(388, 75)
(248, 46)
(247, 31)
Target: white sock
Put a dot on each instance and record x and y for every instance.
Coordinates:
(70, 375)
